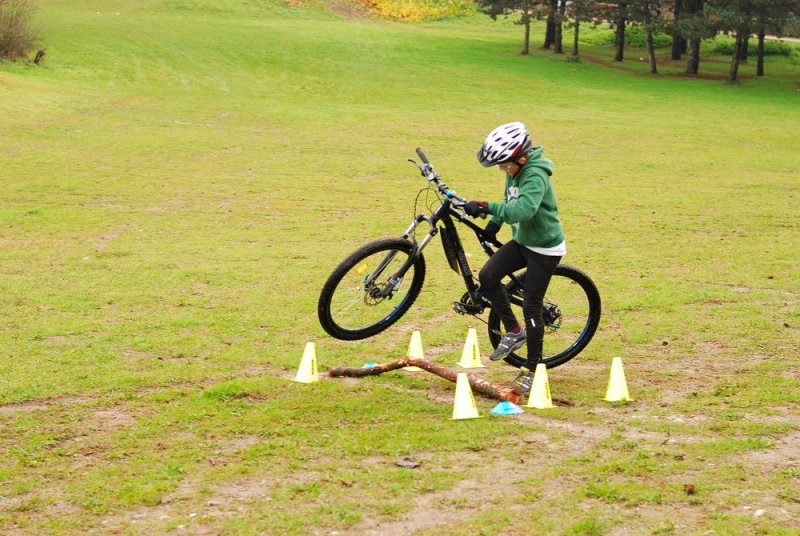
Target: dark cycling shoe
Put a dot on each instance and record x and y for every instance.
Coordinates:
(509, 343)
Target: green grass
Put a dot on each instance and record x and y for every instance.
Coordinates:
(180, 177)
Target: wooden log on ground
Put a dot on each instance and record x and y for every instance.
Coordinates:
(477, 383)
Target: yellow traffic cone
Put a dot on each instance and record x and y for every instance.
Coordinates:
(307, 372)
(539, 397)
(471, 355)
(617, 387)
(415, 350)
(464, 405)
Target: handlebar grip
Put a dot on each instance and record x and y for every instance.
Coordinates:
(422, 156)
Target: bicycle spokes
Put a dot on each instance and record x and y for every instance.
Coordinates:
(364, 295)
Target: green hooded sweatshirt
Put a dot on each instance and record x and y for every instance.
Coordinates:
(530, 204)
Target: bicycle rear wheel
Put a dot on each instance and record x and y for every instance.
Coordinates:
(362, 297)
(571, 314)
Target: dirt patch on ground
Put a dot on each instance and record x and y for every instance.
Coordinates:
(40, 405)
(468, 498)
(24, 406)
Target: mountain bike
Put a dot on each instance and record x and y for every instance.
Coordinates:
(376, 285)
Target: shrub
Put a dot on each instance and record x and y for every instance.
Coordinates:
(415, 10)
(724, 47)
(794, 58)
(635, 37)
(17, 36)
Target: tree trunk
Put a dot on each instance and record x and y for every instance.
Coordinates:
(619, 36)
(693, 67)
(694, 9)
(550, 31)
(549, 34)
(651, 51)
(745, 47)
(678, 45)
(575, 39)
(678, 42)
(760, 59)
(559, 49)
(737, 51)
(526, 19)
(620, 40)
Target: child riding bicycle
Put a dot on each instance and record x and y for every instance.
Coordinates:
(537, 244)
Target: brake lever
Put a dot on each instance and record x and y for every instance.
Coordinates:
(419, 167)
(426, 169)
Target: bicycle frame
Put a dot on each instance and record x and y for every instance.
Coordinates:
(445, 214)
(451, 241)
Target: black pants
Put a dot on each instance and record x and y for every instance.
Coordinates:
(507, 260)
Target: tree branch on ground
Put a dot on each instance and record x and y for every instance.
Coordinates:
(477, 383)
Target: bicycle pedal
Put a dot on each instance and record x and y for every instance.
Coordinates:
(467, 308)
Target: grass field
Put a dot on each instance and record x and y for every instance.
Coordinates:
(180, 177)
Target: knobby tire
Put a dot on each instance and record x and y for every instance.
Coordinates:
(588, 290)
(334, 317)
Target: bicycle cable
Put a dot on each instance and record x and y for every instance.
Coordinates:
(416, 205)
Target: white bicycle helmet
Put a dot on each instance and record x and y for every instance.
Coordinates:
(504, 143)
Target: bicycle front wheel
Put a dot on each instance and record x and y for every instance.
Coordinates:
(571, 316)
(366, 293)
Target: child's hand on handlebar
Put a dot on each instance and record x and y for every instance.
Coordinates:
(477, 208)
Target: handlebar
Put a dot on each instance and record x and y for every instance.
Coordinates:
(429, 173)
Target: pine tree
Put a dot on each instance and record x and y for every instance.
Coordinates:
(678, 42)
(580, 11)
(694, 26)
(495, 8)
(648, 13)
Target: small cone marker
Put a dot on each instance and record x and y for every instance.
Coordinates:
(617, 387)
(307, 372)
(471, 355)
(507, 408)
(415, 350)
(464, 405)
(539, 396)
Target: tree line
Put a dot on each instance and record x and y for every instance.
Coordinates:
(687, 22)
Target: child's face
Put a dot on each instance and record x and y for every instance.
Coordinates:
(509, 167)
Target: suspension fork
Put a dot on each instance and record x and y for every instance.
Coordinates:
(396, 278)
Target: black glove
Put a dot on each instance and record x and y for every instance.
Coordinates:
(476, 208)
(491, 230)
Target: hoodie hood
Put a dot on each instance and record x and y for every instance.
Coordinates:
(536, 160)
